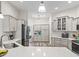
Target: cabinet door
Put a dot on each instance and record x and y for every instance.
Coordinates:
(59, 24)
(74, 23)
(52, 41)
(12, 24)
(57, 42)
(70, 44)
(63, 23)
(64, 43)
(68, 24)
(6, 24)
(54, 25)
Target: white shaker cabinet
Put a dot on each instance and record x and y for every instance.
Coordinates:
(69, 23)
(59, 24)
(64, 42)
(12, 24)
(64, 23)
(59, 42)
(54, 25)
(9, 24)
(74, 24)
(6, 24)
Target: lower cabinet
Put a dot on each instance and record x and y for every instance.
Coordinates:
(64, 43)
(40, 43)
(59, 42)
(52, 42)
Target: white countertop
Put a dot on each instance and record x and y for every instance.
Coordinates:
(40, 52)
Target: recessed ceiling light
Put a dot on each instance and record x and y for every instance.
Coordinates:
(69, 2)
(56, 8)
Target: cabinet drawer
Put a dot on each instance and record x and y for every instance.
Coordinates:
(57, 39)
(57, 42)
(57, 45)
(64, 43)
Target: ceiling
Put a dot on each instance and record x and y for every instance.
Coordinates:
(32, 6)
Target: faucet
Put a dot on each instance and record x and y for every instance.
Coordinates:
(1, 42)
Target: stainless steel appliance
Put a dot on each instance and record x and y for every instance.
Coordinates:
(65, 35)
(75, 46)
(77, 27)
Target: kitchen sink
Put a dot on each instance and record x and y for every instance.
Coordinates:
(10, 45)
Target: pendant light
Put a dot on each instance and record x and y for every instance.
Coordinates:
(1, 15)
(42, 7)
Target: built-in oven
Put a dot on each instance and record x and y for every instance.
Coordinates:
(75, 46)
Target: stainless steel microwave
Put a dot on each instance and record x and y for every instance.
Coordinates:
(77, 27)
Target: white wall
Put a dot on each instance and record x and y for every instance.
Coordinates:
(73, 12)
(23, 15)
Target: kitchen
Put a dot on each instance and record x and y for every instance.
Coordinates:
(54, 27)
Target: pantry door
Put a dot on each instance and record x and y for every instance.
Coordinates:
(41, 32)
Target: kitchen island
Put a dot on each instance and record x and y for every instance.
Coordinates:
(40, 52)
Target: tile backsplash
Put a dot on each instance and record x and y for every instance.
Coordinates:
(59, 33)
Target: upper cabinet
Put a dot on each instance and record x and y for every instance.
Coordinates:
(12, 24)
(9, 23)
(64, 23)
(69, 23)
(61, 23)
(6, 24)
(74, 24)
(54, 25)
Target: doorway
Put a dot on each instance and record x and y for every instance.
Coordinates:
(40, 35)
